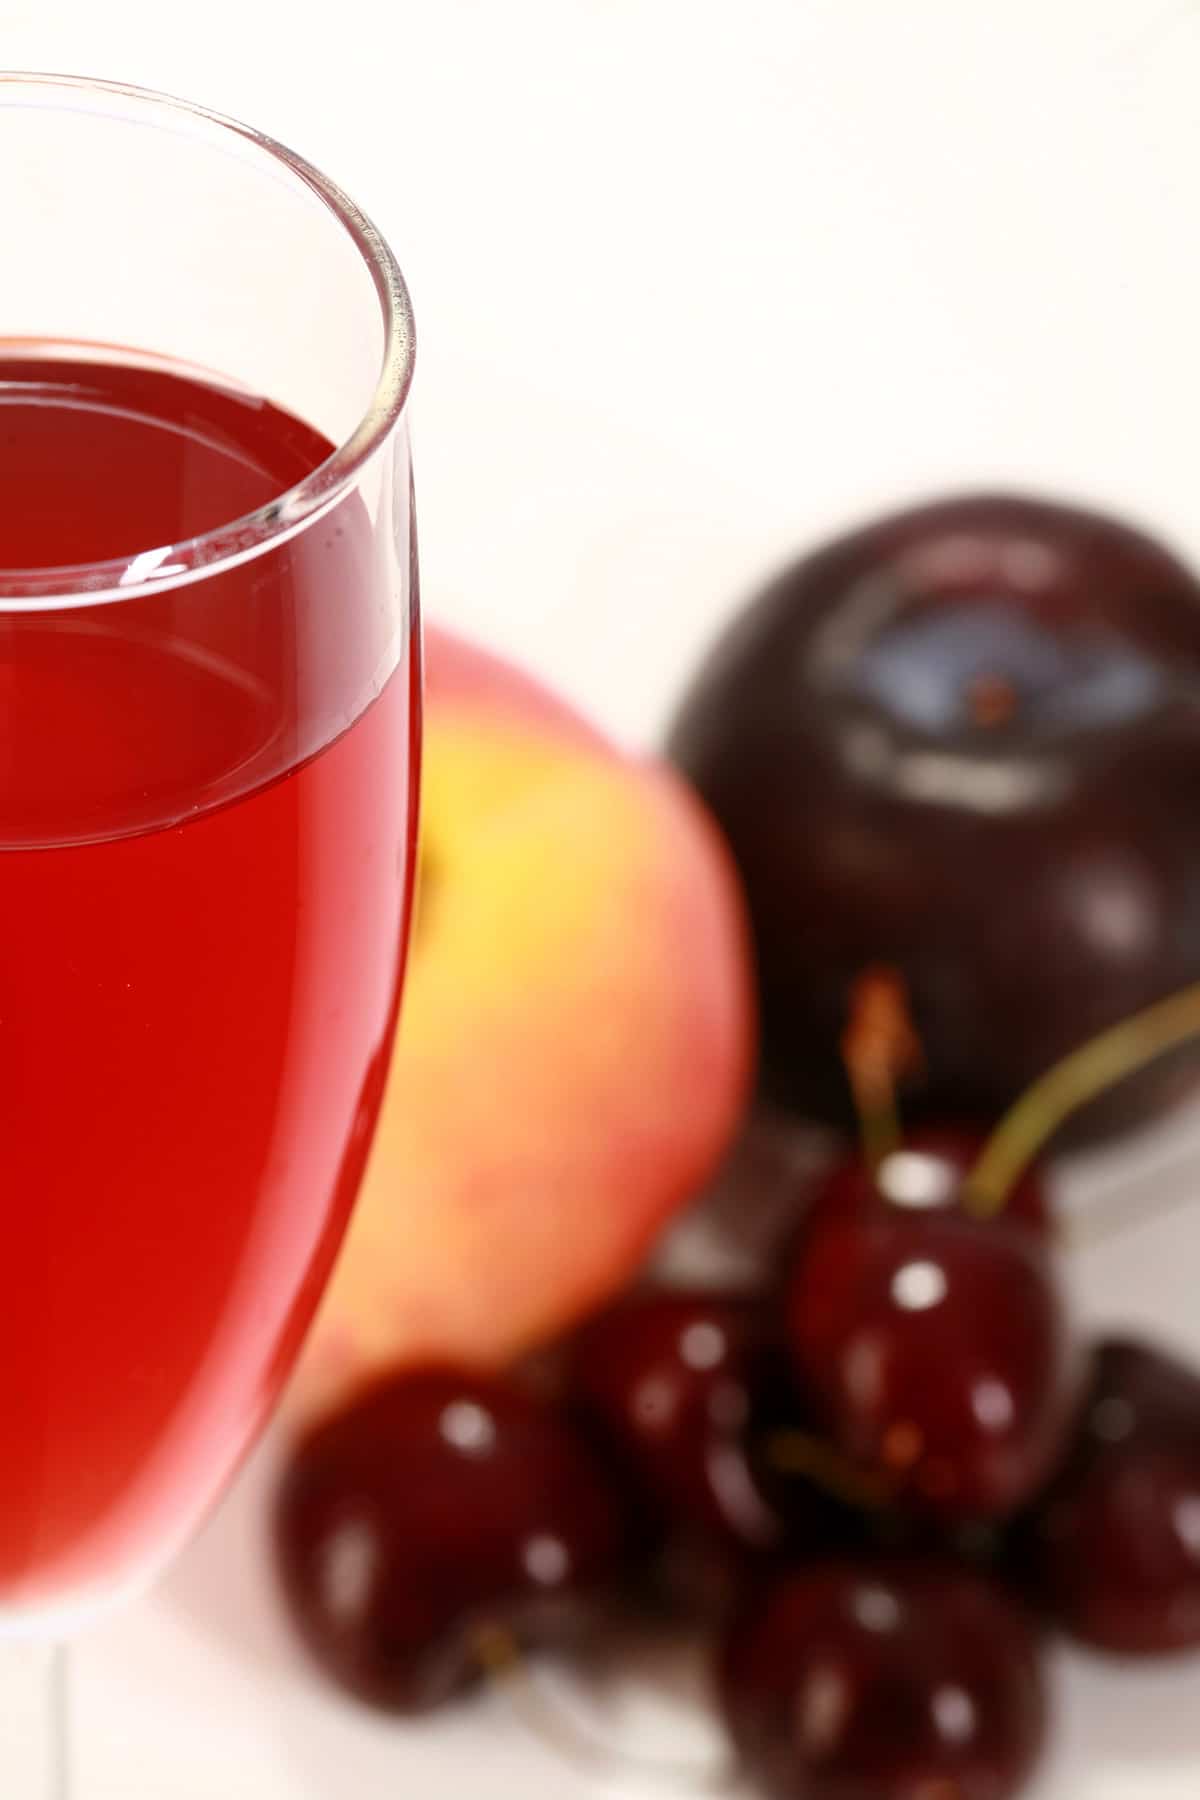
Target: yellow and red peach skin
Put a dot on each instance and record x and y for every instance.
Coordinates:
(575, 1045)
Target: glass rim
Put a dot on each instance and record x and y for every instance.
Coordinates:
(159, 567)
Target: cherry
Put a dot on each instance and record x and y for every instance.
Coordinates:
(964, 742)
(926, 1173)
(1114, 1546)
(885, 1681)
(691, 1389)
(438, 1508)
(674, 1377)
(935, 1351)
(1137, 1392)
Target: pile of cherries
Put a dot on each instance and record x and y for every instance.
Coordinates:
(882, 1471)
(876, 1483)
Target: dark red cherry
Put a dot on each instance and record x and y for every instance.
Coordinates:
(936, 1352)
(441, 1506)
(885, 1681)
(675, 1380)
(925, 1174)
(963, 742)
(1137, 1392)
(692, 1393)
(1115, 1544)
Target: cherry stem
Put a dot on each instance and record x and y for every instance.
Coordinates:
(1083, 1076)
(549, 1722)
(878, 1120)
(879, 1045)
(793, 1452)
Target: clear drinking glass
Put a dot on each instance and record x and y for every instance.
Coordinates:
(209, 732)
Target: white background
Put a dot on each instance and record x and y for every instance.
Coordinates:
(693, 282)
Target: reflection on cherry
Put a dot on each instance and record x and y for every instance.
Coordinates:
(926, 1173)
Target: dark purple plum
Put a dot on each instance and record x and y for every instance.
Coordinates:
(963, 742)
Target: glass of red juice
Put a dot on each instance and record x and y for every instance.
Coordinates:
(209, 739)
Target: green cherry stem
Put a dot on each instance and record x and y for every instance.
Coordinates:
(1082, 1076)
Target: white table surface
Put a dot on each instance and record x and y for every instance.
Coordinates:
(693, 281)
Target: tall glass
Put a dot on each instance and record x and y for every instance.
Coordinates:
(209, 727)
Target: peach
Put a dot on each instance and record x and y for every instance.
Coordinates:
(575, 1042)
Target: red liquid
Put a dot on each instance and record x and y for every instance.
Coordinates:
(205, 821)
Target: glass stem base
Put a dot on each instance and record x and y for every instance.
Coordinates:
(34, 1739)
